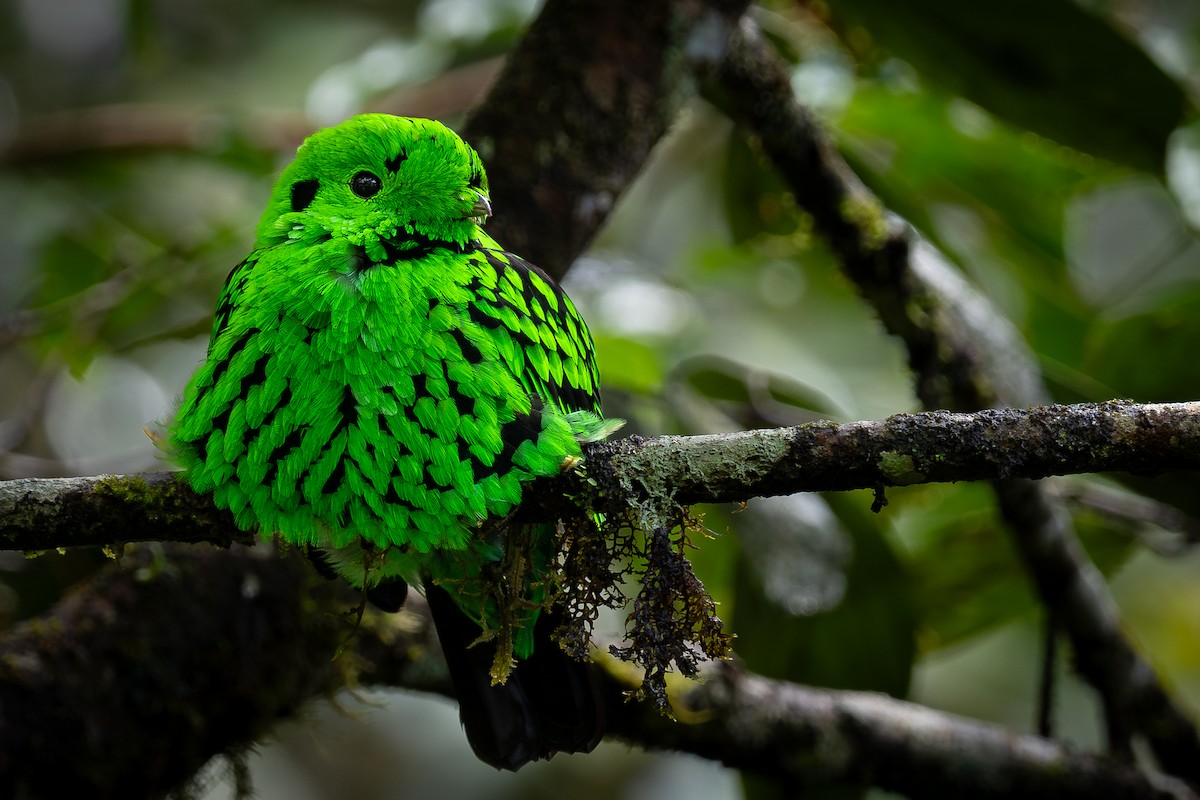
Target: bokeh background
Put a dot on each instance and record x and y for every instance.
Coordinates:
(1049, 154)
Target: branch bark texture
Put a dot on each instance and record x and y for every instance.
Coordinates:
(560, 152)
(805, 737)
(927, 447)
(163, 660)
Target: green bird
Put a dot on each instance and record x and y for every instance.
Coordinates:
(383, 378)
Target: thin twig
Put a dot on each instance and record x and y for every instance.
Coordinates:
(1164, 528)
(1046, 680)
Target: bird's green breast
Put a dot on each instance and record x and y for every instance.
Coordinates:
(344, 399)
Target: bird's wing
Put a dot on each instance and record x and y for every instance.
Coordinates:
(537, 330)
(235, 282)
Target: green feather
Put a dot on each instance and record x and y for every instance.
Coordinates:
(382, 377)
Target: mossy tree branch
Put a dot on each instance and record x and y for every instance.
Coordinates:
(927, 447)
(168, 657)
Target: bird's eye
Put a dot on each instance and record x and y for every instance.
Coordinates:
(364, 184)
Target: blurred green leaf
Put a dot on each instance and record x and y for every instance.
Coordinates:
(69, 266)
(821, 598)
(967, 574)
(629, 365)
(964, 567)
(926, 154)
(1116, 352)
(716, 378)
(996, 200)
(1046, 65)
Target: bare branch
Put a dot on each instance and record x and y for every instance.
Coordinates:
(1134, 699)
(145, 126)
(141, 127)
(964, 354)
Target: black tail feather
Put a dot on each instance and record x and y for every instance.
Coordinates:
(389, 595)
(563, 692)
(549, 705)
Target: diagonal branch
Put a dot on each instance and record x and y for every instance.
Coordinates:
(964, 356)
(560, 152)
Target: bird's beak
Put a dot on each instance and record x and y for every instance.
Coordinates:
(482, 208)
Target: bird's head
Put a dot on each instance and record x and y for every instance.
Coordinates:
(379, 177)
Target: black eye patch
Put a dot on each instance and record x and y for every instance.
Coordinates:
(303, 193)
(365, 184)
(395, 161)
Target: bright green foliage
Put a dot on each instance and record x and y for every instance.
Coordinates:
(382, 377)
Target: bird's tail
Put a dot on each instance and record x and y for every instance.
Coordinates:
(549, 704)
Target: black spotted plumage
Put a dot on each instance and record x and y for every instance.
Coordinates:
(382, 382)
